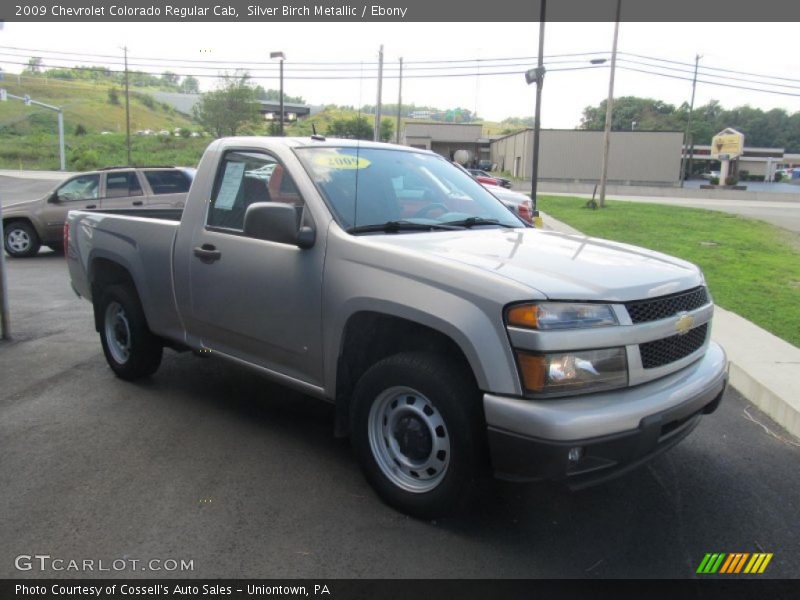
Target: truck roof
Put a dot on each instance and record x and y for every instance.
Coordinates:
(320, 142)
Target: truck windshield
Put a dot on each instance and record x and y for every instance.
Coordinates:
(370, 187)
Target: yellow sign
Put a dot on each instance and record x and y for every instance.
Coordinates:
(729, 142)
(334, 160)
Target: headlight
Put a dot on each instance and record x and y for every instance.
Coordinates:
(571, 372)
(561, 315)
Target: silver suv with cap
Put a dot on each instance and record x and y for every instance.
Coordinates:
(452, 338)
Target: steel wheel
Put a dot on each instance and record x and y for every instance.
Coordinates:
(409, 439)
(19, 241)
(118, 332)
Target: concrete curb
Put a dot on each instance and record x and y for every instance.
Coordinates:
(761, 366)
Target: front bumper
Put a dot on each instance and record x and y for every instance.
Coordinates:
(616, 431)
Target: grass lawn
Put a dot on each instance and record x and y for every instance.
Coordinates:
(752, 267)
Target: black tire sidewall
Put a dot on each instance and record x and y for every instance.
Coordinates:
(146, 350)
(452, 391)
(27, 228)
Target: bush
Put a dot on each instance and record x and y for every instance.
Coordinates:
(714, 181)
(80, 129)
(731, 180)
(113, 96)
(84, 159)
(778, 177)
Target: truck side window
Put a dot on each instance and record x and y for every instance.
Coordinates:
(245, 178)
(122, 184)
(83, 187)
(168, 181)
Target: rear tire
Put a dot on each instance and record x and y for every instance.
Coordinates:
(131, 350)
(419, 432)
(20, 239)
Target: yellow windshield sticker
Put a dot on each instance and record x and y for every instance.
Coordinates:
(340, 161)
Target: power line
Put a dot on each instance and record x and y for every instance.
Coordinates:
(390, 66)
(728, 77)
(717, 83)
(309, 77)
(709, 68)
(37, 52)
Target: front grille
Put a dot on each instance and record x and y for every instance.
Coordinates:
(667, 350)
(642, 311)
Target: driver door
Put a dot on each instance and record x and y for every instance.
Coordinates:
(82, 191)
(256, 300)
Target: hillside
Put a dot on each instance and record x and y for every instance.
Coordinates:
(85, 104)
(28, 134)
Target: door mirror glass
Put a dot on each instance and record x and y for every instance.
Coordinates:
(53, 198)
(276, 222)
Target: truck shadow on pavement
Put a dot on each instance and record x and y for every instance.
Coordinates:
(656, 521)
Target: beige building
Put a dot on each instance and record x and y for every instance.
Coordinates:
(635, 157)
(447, 138)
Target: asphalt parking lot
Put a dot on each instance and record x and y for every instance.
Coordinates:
(208, 462)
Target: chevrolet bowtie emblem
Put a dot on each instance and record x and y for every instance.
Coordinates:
(684, 323)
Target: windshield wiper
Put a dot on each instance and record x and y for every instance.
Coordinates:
(395, 226)
(472, 221)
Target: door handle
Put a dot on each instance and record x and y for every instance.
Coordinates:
(207, 253)
(91, 206)
(137, 202)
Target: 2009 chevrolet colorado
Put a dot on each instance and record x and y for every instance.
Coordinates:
(449, 334)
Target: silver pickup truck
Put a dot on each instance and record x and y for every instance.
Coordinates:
(453, 339)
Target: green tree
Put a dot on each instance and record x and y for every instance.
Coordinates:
(358, 128)
(190, 85)
(113, 96)
(275, 95)
(229, 109)
(170, 79)
(34, 66)
(387, 129)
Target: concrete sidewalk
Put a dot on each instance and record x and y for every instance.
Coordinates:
(762, 367)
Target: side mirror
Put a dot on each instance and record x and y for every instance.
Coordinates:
(53, 198)
(276, 222)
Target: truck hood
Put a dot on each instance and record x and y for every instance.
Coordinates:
(22, 204)
(558, 266)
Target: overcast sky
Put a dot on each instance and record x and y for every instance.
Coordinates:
(761, 48)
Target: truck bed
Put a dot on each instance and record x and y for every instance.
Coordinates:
(141, 240)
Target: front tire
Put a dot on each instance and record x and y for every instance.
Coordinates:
(131, 350)
(418, 432)
(20, 239)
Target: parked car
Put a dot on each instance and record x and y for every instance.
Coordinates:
(29, 225)
(450, 337)
(518, 203)
(711, 175)
(506, 183)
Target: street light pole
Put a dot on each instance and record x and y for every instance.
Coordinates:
(537, 75)
(281, 57)
(609, 109)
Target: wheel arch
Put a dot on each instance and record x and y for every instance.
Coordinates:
(369, 336)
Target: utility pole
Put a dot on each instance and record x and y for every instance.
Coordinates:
(609, 109)
(399, 100)
(537, 75)
(377, 133)
(688, 138)
(127, 108)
